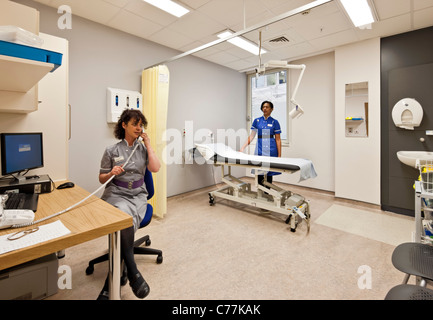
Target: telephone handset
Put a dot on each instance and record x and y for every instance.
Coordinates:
(140, 138)
(9, 218)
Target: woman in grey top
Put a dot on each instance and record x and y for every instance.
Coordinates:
(127, 190)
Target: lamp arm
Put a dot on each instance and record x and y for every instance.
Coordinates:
(295, 91)
(297, 111)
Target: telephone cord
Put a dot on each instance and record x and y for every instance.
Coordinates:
(81, 201)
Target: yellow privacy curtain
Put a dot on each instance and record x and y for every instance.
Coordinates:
(155, 103)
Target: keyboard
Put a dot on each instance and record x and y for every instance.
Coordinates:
(22, 201)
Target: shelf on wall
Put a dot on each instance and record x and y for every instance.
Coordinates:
(23, 66)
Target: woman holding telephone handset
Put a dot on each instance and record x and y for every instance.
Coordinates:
(127, 190)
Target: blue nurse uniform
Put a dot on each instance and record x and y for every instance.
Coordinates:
(266, 129)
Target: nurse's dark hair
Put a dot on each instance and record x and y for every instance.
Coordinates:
(126, 116)
(270, 103)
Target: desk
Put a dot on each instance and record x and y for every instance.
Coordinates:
(90, 220)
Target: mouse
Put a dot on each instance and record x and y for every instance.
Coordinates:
(66, 185)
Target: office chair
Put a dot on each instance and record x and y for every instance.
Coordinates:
(148, 180)
(409, 292)
(415, 259)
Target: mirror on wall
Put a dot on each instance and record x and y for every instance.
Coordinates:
(356, 103)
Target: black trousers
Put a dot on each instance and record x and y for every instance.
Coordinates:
(261, 179)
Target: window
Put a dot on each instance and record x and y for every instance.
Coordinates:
(271, 86)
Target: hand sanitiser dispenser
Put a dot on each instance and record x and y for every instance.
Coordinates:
(407, 114)
(119, 100)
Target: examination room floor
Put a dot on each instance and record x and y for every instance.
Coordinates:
(230, 251)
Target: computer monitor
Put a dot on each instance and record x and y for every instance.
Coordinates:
(21, 152)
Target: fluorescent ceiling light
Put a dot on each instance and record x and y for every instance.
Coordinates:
(169, 6)
(359, 11)
(241, 43)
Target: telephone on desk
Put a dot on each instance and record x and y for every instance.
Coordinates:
(11, 217)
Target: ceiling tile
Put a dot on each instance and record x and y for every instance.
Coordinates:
(391, 8)
(335, 40)
(145, 10)
(321, 28)
(422, 4)
(296, 51)
(133, 24)
(221, 58)
(231, 12)
(95, 10)
(170, 38)
(280, 6)
(239, 65)
(118, 3)
(194, 4)
(197, 25)
(386, 27)
(423, 19)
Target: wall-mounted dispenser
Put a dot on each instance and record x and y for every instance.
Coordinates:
(407, 114)
(119, 100)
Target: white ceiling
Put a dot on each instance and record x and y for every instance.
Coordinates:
(320, 30)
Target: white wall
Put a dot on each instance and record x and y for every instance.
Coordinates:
(357, 160)
(204, 97)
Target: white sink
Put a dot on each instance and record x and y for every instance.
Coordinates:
(409, 157)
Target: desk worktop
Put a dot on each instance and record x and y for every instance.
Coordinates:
(89, 220)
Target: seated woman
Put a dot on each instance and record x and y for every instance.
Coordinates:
(127, 190)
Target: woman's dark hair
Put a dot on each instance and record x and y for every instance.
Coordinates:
(125, 117)
(270, 103)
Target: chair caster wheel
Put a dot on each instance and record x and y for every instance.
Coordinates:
(89, 270)
(148, 242)
(159, 259)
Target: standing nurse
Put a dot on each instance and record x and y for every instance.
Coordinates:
(269, 137)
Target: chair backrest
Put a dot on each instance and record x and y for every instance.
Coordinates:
(148, 181)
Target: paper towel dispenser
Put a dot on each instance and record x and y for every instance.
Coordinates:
(407, 114)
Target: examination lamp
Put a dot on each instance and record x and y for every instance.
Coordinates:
(297, 110)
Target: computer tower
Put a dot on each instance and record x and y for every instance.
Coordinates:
(39, 184)
(32, 280)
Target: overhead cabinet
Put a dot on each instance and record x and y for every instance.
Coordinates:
(22, 66)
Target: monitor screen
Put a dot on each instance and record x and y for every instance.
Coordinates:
(21, 151)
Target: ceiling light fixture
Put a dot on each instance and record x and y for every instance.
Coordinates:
(359, 11)
(169, 6)
(241, 43)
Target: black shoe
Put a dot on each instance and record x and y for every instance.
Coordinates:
(104, 295)
(139, 286)
(124, 277)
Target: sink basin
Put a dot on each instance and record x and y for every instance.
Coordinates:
(409, 157)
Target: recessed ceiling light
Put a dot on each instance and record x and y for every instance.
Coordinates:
(169, 6)
(359, 11)
(241, 43)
